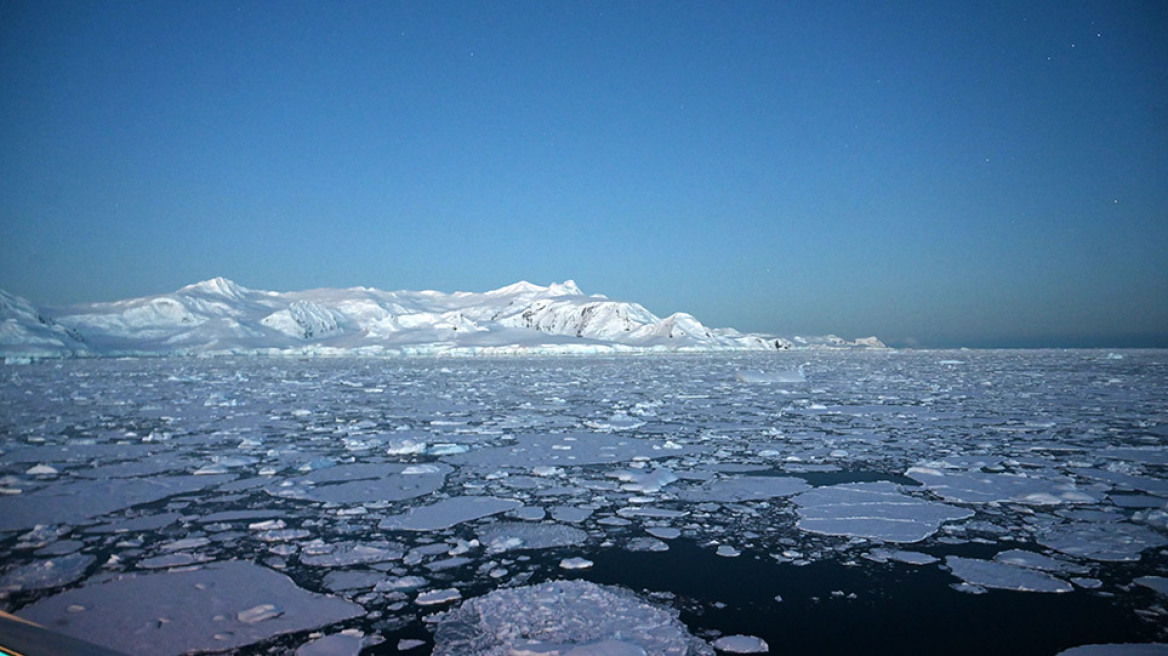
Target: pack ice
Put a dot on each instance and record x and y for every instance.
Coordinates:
(268, 504)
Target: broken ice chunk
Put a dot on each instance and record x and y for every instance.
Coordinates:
(990, 574)
(435, 597)
(977, 487)
(742, 644)
(222, 606)
(877, 511)
(259, 613)
(447, 513)
(1101, 541)
(575, 563)
(511, 536)
(563, 617)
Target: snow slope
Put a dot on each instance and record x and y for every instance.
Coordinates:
(219, 316)
(25, 334)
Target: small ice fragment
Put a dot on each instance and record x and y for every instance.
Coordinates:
(796, 375)
(991, 574)
(1133, 649)
(337, 644)
(663, 532)
(406, 644)
(259, 613)
(41, 470)
(1157, 583)
(727, 551)
(435, 597)
(575, 563)
(742, 644)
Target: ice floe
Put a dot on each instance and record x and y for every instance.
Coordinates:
(217, 607)
(447, 513)
(876, 511)
(1003, 576)
(576, 618)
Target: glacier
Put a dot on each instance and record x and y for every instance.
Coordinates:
(221, 317)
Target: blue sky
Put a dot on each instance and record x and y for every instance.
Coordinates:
(937, 174)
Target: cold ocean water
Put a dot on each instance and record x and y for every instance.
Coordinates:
(894, 501)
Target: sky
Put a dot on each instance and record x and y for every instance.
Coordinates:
(933, 173)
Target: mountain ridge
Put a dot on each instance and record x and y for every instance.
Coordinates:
(221, 317)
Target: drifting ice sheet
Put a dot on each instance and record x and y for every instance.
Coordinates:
(563, 618)
(877, 511)
(447, 513)
(991, 574)
(222, 606)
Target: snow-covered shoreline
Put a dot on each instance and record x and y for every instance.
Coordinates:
(220, 317)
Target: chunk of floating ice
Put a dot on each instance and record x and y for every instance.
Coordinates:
(562, 617)
(727, 551)
(354, 554)
(1132, 649)
(1157, 583)
(406, 644)
(1033, 560)
(447, 513)
(435, 597)
(259, 613)
(546, 450)
(876, 511)
(1116, 542)
(575, 563)
(663, 532)
(337, 644)
(977, 487)
(742, 644)
(990, 574)
(41, 470)
(512, 536)
(786, 376)
(906, 557)
(203, 606)
(745, 488)
(48, 573)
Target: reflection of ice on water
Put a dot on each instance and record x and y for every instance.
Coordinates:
(389, 489)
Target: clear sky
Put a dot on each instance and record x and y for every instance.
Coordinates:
(934, 173)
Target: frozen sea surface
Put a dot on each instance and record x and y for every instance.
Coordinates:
(269, 506)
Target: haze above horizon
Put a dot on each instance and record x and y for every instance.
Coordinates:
(937, 175)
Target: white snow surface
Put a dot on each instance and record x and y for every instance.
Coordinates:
(219, 316)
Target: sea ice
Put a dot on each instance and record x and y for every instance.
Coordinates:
(447, 513)
(512, 536)
(218, 607)
(876, 511)
(47, 573)
(742, 644)
(1127, 649)
(990, 574)
(978, 487)
(1115, 542)
(745, 488)
(560, 617)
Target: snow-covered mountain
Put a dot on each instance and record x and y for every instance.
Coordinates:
(26, 334)
(218, 316)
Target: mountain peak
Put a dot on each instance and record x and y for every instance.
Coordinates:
(521, 287)
(567, 288)
(218, 286)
